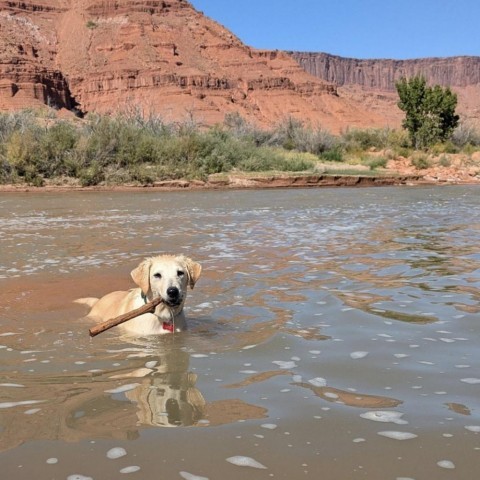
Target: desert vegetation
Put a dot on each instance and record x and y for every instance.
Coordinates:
(38, 148)
(430, 115)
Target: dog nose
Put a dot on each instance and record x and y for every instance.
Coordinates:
(173, 292)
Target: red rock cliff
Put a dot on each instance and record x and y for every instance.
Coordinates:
(382, 74)
(161, 57)
(372, 82)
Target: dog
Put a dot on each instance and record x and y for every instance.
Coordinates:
(164, 276)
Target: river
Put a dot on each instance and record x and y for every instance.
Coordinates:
(334, 333)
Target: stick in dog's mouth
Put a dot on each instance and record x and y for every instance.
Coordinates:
(113, 322)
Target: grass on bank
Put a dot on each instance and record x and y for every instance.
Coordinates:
(127, 149)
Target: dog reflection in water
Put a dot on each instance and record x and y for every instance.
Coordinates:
(166, 395)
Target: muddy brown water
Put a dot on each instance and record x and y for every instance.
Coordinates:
(334, 334)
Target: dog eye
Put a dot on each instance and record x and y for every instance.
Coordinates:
(157, 275)
(180, 273)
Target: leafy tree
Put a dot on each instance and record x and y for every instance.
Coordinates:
(429, 111)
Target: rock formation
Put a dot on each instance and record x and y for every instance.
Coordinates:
(166, 58)
(154, 57)
(372, 82)
(382, 74)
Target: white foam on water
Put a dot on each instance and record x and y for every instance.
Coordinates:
(17, 404)
(151, 364)
(269, 426)
(77, 476)
(130, 469)
(116, 452)
(400, 355)
(198, 355)
(127, 349)
(32, 411)
(318, 382)
(191, 476)
(385, 416)
(334, 396)
(242, 461)
(315, 352)
(285, 365)
(248, 372)
(297, 378)
(52, 461)
(123, 388)
(358, 440)
(471, 381)
(473, 428)
(12, 385)
(397, 435)
(204, 305)
(446, 464)
(248, 347)
(358, 355)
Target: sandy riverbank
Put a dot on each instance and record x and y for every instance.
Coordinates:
(239, 181)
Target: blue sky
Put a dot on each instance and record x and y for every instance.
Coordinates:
(354, 28)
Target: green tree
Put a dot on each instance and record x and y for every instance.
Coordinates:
(429, 111)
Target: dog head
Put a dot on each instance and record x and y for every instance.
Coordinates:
(167, 276)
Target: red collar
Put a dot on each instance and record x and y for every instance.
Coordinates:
(168, 326)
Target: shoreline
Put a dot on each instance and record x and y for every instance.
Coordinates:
(240, 182)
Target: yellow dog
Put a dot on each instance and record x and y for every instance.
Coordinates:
(165, 276)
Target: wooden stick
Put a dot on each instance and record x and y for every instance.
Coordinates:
(113, 322)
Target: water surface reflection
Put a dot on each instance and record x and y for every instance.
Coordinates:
(325, 321)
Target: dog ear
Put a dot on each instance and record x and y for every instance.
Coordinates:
(194, 270)
(141, 275)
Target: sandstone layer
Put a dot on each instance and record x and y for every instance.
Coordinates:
(165, 58)
(155, 57)
(372, 82)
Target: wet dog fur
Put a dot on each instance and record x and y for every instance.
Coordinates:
(167, 276)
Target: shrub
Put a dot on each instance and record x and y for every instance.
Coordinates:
(92, 175)
(444, 161)
(292, 134)
(376, 162)
(333, 155)
(55, 145)
(21, 150)
(420, 162)
(355, 139)
(465, 134)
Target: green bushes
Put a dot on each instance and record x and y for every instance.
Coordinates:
(420, 162)
(429, 111)
(126, 149)
(133, 149)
